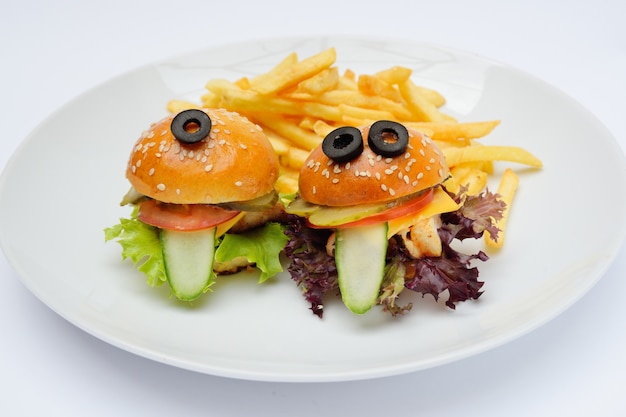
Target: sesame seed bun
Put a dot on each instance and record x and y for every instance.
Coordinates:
(236, 162)
(372, 178)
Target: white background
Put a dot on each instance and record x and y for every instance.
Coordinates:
(52, 51)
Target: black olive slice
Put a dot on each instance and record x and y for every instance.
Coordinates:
(388, 138)
(191, 126)
(343, 144)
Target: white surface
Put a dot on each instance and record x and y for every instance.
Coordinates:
(267, 332)
(574, 365)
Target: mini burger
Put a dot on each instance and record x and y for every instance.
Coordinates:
(372, 217)
(202, 187)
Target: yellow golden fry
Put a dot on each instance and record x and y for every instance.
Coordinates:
(349, 75)
(323, 81)
(474, 179)
(176, 106)
(357, 99)
(374, 86)
(365, 114)
(506, 190)
(243, 83)
(433, 96)
(458, 155)
(446, 131)
(422, 109)
(321, 128)
(302, 138)
(286, 184)
(294, 73)
(249, 102)
(294, 159)
(275, 72)
(394, 75)
(281, 145)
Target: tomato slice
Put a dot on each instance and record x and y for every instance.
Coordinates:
(409, 207)
(185, 217)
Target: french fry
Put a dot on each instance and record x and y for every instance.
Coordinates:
(447, 131)
(474, 179)
(422, 109)
(323, 81)
(289, 75)
(458, 155)
(176, 106)
(274, 73)
(506, 190)
(304, 139)
(374, 86)
(394, 75)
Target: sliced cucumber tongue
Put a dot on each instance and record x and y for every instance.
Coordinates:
(188, 260)
(360, 257)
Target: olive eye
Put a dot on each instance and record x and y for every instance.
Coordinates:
(343, 144)
(191, 126)
(388, 138)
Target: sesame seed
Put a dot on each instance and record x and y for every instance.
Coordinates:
(209, 167)
(191, 154)
(178, 191)
(325, 172)
(243, 146)
(348, 165)
(440, 172)
(427, 168)
(164, 132)
(330, 162)
(238, 183)
(203, 160)
(151, 172)
(400, 175)
(371, 162)
(314, 190)
(392, 192)
(420, 176)
(310, 164)
(388, 160)
(407, 155)
(422, 152)
(414, 183)
(383, 187)
(133, 168)
(227, 131)
(150, 135)
(138, 163)
(161, 187)
(335, 180)
(377, 175)
(221, 142)
(431, 161)
(379, 158)
(406, 179)
(336, 169)
(388, 172)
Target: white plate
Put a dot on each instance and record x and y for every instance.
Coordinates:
(63, 185)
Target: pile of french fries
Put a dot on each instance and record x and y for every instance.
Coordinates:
(299, 101)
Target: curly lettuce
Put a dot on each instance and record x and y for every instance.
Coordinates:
(140, 242)
(261, 246)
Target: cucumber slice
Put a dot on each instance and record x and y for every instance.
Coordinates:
(360, 257)
(188, 260)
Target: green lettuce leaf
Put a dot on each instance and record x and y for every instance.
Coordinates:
(140, 242)
(261, 246)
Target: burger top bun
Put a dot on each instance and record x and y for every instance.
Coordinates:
(234, 162)
(370, 177)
